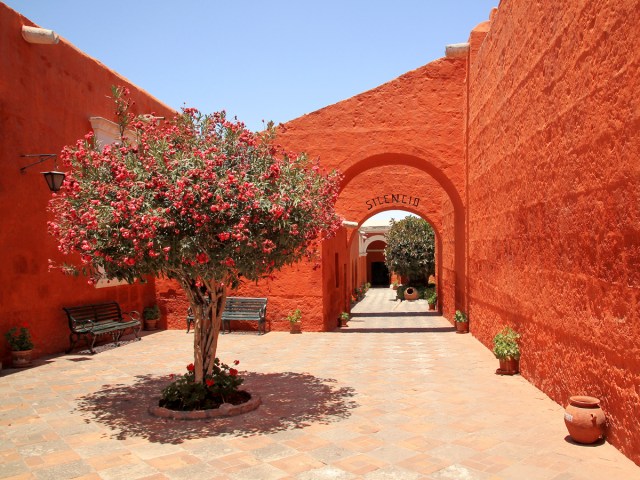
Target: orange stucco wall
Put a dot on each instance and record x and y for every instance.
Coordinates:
(402, 137)
(554, 202)
(48, 93)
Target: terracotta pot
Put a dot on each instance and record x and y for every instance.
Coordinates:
(584, 419)
(395, 287)
(21, 358)
(295, 328)
(462, 327)
(344, 323)
(151, 324)
(411, 294)
(508, 366)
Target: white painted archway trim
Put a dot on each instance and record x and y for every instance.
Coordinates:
(369, 241)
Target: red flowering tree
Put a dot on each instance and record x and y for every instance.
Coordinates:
(199, 199)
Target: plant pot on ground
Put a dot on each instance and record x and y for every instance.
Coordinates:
(432, 300)
(344, 319)
(507, 351)
(295, 323)
(151, 316)
(19, 340)
(462, 322)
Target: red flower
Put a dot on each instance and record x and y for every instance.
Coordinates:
(233, 372)
(236, 362)
(210, 382)
(191, 367)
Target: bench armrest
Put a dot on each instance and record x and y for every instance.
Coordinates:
(133, 315)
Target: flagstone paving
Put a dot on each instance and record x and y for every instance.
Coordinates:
(396, 395)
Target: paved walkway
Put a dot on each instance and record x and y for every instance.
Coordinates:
(396, 395)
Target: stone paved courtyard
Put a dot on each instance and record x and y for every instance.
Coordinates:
(396, 395)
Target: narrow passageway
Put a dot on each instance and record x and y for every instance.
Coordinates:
(380, 310)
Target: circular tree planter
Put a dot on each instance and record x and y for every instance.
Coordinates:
(225, 410)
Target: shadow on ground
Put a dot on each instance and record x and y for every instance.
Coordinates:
(395, 314)
(289, 401)
(396, 330)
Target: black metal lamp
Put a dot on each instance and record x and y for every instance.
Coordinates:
(53, 178)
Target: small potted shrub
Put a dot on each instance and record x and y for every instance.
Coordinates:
(151, 316)
(432, 299)
(344, 319)
(507, 351)
(462, 322)
(294, 319)
(19, 340)
(395, 285)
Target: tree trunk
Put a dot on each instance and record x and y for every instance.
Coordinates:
(207, 303)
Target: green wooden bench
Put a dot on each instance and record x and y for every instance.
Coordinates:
(95, 320)
(244, 309)
(241, 309)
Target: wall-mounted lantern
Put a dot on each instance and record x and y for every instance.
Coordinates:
(53, 178)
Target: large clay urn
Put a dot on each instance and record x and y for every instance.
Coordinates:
(584, 419)
(410, 294)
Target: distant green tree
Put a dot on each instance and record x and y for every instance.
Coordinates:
(410, 249)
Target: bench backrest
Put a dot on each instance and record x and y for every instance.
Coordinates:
(238, 306)
(80, 316)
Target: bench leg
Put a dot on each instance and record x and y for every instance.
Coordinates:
(93, 342)
(136, 331)
(73, 338)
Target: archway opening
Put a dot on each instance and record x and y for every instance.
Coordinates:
(390, 184)
(367, 262)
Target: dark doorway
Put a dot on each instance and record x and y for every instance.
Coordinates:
(379, 274)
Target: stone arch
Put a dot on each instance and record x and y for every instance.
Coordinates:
(457, 218)
(438, 240)
(370, 240)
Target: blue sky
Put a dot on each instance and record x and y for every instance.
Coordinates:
(259, 60)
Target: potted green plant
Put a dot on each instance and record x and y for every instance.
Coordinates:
(507, 351)
(344, 319)
(19, 340)
(432, 299)
(151, 316)
(294, 319)
(395, 284)
(462, 322)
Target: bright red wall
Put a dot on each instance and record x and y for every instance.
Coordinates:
(48, 93)
(554, 202)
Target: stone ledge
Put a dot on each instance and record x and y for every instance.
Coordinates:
(225, 410)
